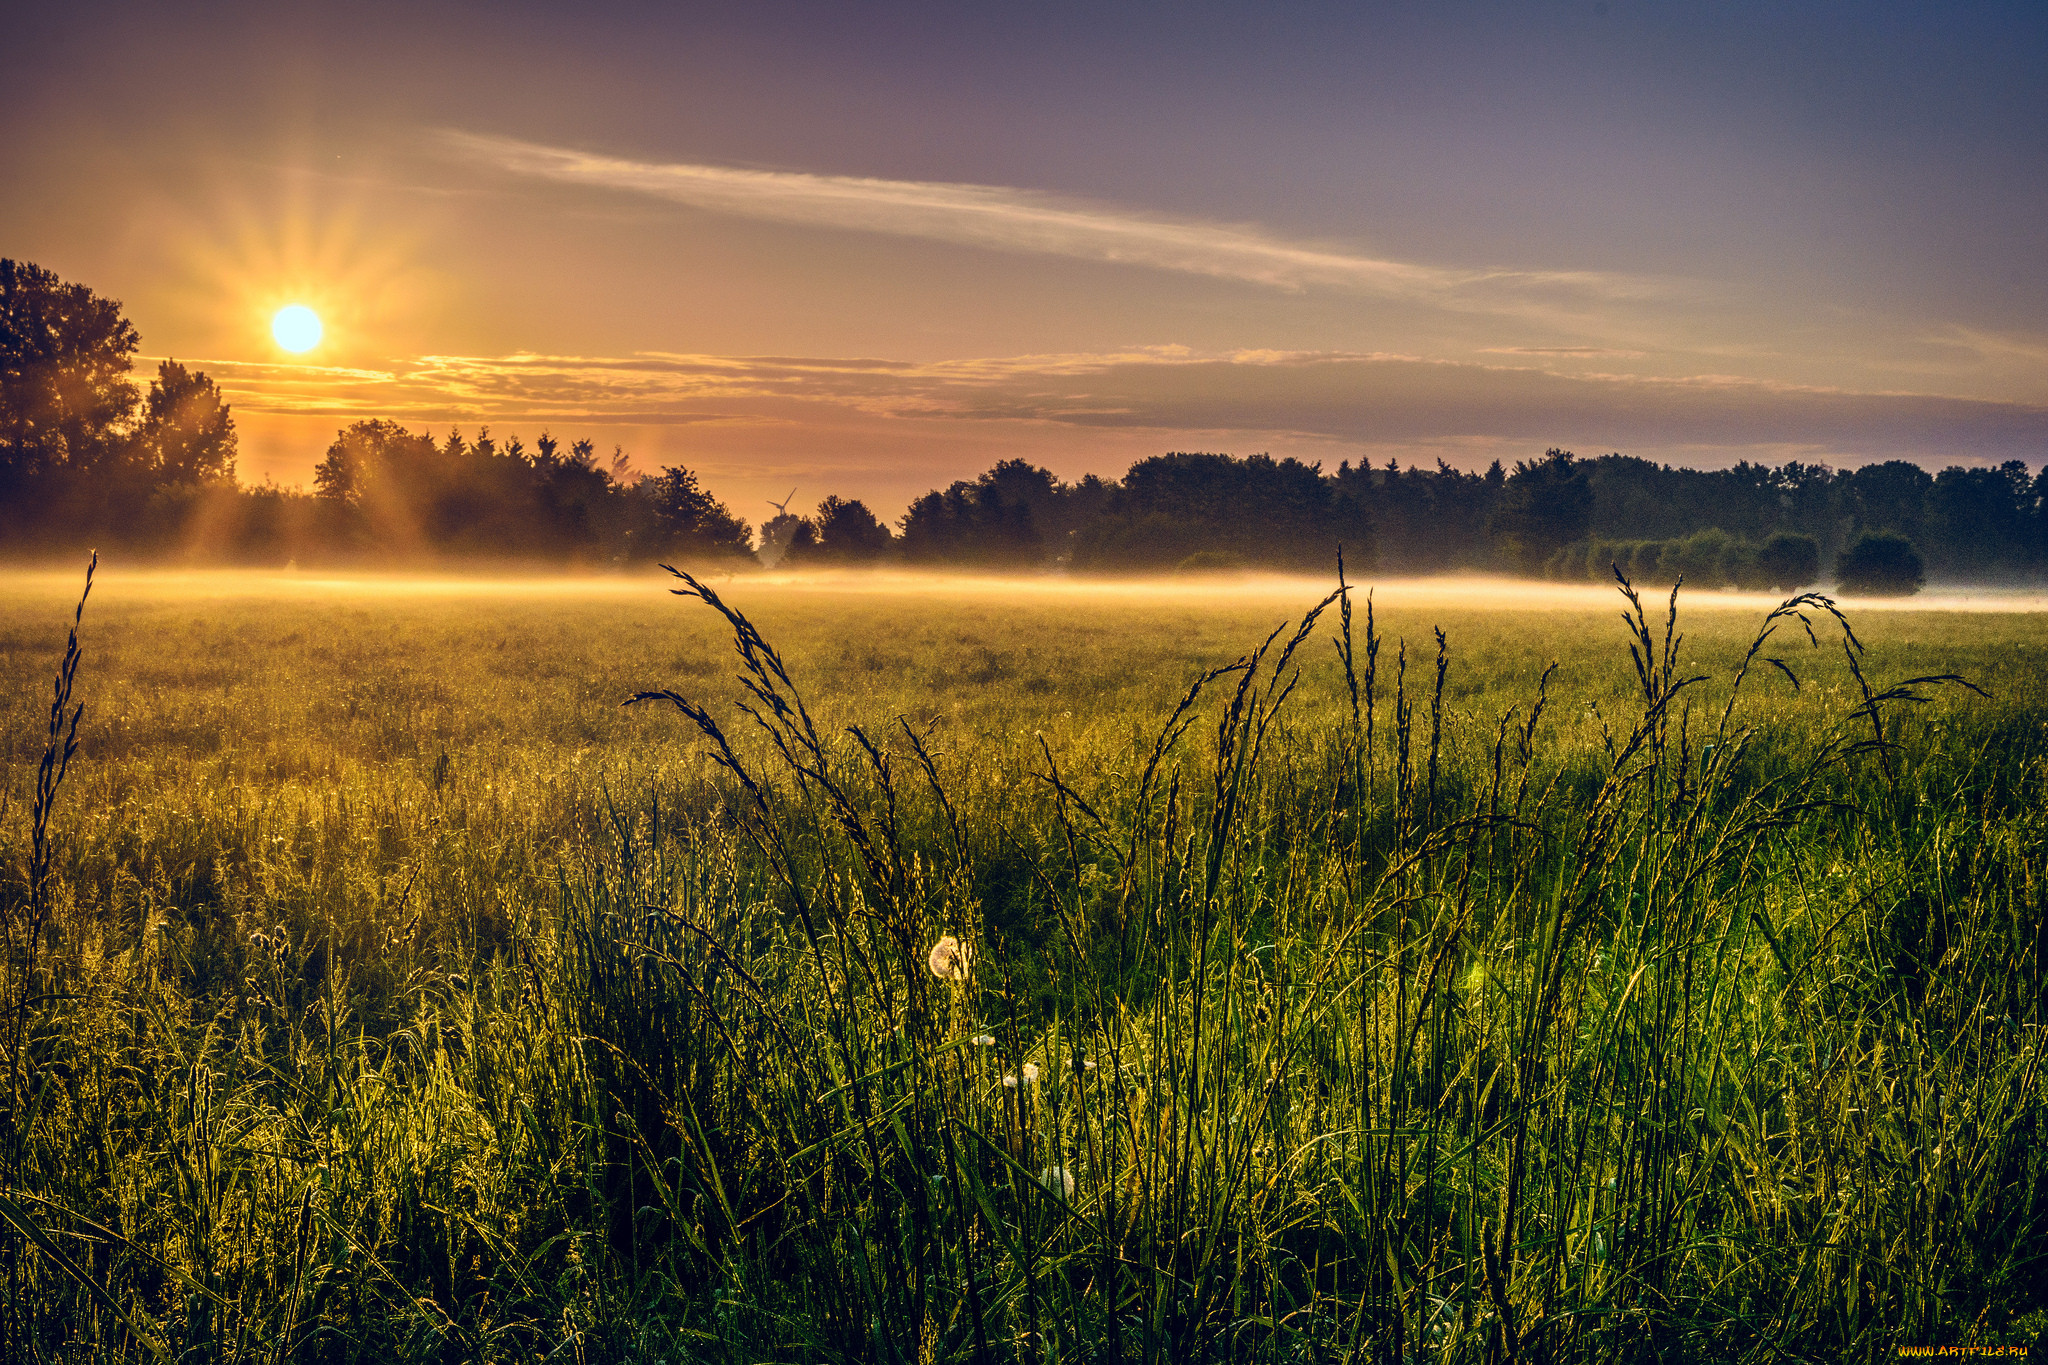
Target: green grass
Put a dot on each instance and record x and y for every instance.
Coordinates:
(404, 996)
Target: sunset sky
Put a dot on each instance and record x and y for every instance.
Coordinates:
(869, 249)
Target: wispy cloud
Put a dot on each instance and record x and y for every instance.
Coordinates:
(1022, 220)
(1588, 351)
(2031, 347)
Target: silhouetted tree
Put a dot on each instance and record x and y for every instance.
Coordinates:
(1275, 512)
(1015, 514)
(1788, 562)
(800, 548)
(368, 479)
(65, 354)
(1080, 503)
(776, 534)
(1544, 505)
(187, 435)
(1891, 496)
(848, 532)
(1056, 509)
(1422, 520)
(1807, 498)
(365, 455)
(1979, 521)
(972, 524)
(575, 497)
(689, 521)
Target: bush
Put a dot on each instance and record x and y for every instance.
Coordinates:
(1788, 562)
(1584, 560)
(1739, 568)
(1698, 558)
(1607, 556)
(1880, 564)
(1568, 563)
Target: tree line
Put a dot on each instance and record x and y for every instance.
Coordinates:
(1882, 527)
(85, 454)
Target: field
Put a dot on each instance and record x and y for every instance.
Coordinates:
(389, 991)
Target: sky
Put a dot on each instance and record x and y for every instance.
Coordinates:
(871, 249)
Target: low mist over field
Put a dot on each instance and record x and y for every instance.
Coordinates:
(1230, 591)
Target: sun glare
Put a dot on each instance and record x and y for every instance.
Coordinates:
(296, 327)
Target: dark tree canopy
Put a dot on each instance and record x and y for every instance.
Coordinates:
(395, 490)
(777, 535)
(689, 521)
(1544, 505)
(1891, 496)
(65, 354)
(1422, 520)
(973, 524)
(187, 436)
(1979, 516)
(802, 546)
(1281, 513)
(367, 465)
(848, 533)
(82, 458)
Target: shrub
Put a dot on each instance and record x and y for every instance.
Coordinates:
(1738, 566)
(1569, 562)
(1788, 562)
(1880, 564)
(1698, 557)
(1589, 559)
(1608, 555)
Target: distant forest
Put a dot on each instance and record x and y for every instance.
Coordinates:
(85, 456)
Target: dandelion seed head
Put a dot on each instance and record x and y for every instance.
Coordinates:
(950, 959)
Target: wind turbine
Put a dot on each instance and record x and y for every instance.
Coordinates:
(782, 508)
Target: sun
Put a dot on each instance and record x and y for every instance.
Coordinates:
(296, 327)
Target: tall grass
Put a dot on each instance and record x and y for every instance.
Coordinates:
(1271, 1037)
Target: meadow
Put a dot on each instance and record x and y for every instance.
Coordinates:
(1042, 971)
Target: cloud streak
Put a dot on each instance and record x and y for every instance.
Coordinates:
(1029, 221)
